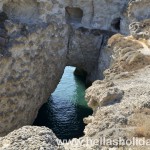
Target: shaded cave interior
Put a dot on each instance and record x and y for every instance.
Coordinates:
(116, 24)
(73, 15)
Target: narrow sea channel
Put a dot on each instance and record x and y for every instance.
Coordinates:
(66, 107)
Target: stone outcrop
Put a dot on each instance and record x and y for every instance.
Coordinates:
(32, 138)
(140, 29)
(38, 38)
(121, 101)
(138, 10)
(29, 61)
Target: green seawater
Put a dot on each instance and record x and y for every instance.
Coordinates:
(66, 107)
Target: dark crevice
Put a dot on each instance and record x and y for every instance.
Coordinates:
(24, 30)
(70, 34)
(3, 17)
(3, 35)
(116, 24)
(96, 32)
(81, 74)
(93, 11)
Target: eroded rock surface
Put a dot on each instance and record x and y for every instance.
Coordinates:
(29, 61)
(122, 97)
(32, 138)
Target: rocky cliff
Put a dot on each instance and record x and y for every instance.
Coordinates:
(32, 138)
(121, 101)
(29, 59)
(123, 96)
(39, 38)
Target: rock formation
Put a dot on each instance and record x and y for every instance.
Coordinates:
(39, 38)
(32, 138)
(121, 101)
(29, 61)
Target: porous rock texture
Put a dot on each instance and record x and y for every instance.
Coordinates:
(121, 101)
(38, 38)
(30, 138)
(29, 60)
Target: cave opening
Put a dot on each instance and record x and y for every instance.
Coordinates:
(116, 23)
(66, 107)
(73, 15)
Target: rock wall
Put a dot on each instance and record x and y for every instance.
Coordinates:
(38, 38)
(30, 137)
(32, 61)
(120, 102)
(85, 56)
(97, 16)
(36, 45)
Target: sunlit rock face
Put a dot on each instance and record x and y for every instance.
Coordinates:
(30, 137)
(122, 96)
(32, 58)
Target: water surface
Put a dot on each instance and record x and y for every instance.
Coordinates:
(66, 107)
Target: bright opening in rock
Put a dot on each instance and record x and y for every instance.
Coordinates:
(116, 24)
(66, 107)
(74, 15)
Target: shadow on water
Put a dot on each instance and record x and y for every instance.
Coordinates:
(66, 108)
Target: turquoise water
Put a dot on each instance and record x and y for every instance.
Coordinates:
(66, 107)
